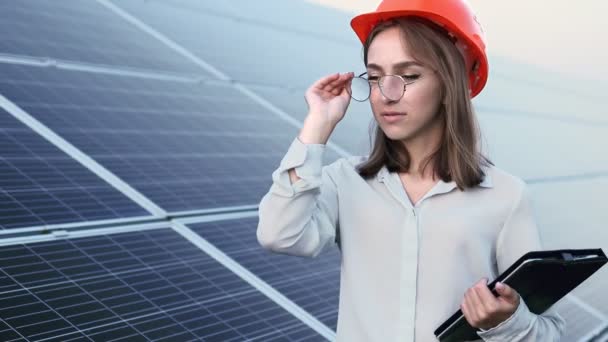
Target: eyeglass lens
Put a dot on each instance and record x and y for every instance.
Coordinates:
(360, 89)
(391, 86)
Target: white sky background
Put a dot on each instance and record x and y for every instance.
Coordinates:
(566, 36)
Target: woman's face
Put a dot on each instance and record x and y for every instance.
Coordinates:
(415, 114)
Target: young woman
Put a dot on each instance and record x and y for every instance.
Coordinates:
(425, 220)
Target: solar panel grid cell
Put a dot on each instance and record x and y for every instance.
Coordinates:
(150, 286)
(312, 284)
(185, 146)
(83, 31)
(40, 185)
(254, 50)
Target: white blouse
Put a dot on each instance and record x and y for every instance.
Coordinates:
(405, 268)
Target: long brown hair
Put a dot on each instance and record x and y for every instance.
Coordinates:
(458, 157)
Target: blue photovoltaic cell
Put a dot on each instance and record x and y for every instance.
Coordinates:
(83, 31)
(140, 286)
(312, 283)
(267, 13)
(41, 185)
(352, 132)
(183, 145)
(251, 51)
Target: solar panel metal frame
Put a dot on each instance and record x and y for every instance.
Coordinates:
(113, 267)
(298, 276)
(54, 184)
(89, 21)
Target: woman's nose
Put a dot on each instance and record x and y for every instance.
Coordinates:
(379, 96)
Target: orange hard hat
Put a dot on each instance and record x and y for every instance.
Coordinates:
(456, 16)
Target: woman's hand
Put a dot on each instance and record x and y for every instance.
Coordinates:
(483, 310)
(327, 101)
(328, 97)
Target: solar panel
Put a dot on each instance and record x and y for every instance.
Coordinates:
(578, 321)
(295, 16)
(545, 150)
(312, 283)
(351, 133)
(588, 222)
(299, 17)
(136, 286)
(191, 142)
(583, 229)
(533, 90)
(183, 145)
(41, 185)
(253, 54)
(83, 31)
(601, 334)
(593, 291)
(225, 8)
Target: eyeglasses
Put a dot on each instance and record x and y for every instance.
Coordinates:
(391, 86)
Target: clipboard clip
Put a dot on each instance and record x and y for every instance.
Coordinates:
(569, 257)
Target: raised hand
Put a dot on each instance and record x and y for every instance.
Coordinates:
(327, 101)
(328, 97)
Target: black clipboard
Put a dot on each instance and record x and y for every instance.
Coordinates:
(529, 275)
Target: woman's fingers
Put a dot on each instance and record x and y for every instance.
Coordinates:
(468, 312)
(324, 81)
(339, 81)
(337, 85)
(328, 88)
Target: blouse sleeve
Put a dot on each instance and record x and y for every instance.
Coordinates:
(518, 236)
(300, 218)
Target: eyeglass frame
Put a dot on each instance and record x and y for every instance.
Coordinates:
(401, 77)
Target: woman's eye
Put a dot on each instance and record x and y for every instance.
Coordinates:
(411, 77)
(373, 78)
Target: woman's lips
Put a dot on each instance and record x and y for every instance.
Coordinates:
(391, 117)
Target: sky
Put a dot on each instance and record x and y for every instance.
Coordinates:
(564, 36)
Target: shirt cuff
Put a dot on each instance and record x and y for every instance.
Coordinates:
(511, 327)
(307, 161)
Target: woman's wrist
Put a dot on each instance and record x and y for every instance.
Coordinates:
(316, 130)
